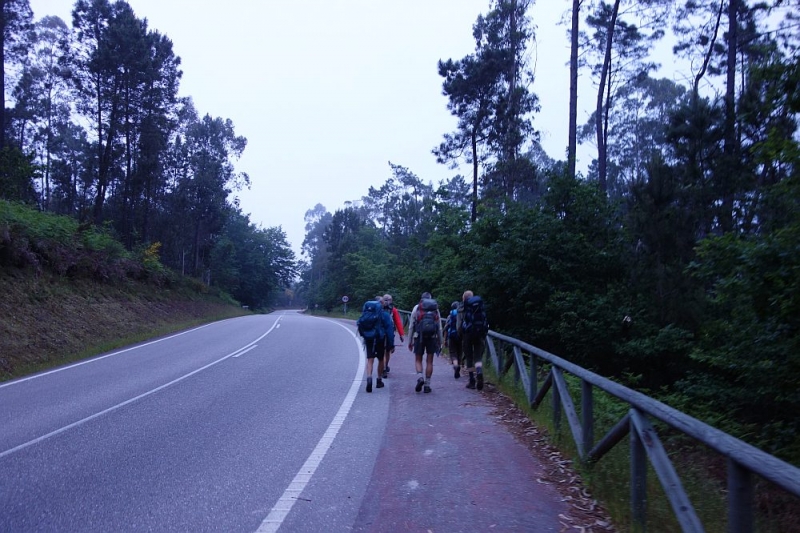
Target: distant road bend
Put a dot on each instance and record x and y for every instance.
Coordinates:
(260, 424)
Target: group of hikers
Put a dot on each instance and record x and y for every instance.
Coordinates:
(463, 333)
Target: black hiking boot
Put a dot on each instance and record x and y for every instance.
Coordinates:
(480, 381)
(379, 385)
(456, 372)
(427, 388)
(420, 383)
(471, 384)
(369, 384)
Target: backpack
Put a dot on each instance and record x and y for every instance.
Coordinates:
(474, 321)
(452, 324)
(369, 323)
(428, 319)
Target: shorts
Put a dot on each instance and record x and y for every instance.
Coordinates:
(454, 345)
(426, 344)
(375, 347)
(473, 350)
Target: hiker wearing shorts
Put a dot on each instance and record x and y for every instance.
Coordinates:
(473, 328)
(372, 327)
(388, 305)
(424, 337)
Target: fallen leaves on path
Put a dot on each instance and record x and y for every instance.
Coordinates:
(587, 515)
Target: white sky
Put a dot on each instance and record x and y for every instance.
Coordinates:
(327, 92)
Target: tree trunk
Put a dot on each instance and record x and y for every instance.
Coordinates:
(728, 173)
(573, 90)
(3, 23)
(707, 58)
(474, 213)
(599, 123)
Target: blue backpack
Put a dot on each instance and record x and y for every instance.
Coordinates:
(452, 324)
(370, 324)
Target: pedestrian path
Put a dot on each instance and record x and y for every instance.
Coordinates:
(447, 464)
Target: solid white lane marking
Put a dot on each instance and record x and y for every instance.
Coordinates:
(82, 421)
(242, 352)
(292, 493)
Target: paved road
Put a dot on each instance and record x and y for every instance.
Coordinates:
(258, 424)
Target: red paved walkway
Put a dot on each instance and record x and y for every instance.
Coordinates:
(447, 465)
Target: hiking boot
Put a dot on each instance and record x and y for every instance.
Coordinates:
(471, 384)
(427, 388)
(457, 372)
(385, 374)
(420, 383)
(480, 382)
(379, 384)
(369, 384)
(386, 370)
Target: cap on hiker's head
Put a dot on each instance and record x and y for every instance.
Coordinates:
(454, 305)
(426, 295)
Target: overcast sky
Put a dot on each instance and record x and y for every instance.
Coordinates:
(327, 92)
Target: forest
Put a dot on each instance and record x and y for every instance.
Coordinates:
(97, 132)
(671, 265)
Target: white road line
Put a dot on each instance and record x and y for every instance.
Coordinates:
(82, 421)
(285, 503)
(242, 352)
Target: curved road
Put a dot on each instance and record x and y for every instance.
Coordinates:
(219, 428)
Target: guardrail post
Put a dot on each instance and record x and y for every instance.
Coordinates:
(740, 498)
(501, 361)
(534, 388)
(556, 408)
(638, 480)
(587, 415)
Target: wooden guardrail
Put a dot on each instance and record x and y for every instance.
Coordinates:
(743, 460)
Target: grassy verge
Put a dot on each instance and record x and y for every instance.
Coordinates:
(609, 479)
(50, 320)
(350, 315)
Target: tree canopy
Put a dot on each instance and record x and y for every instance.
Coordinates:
(98, 132)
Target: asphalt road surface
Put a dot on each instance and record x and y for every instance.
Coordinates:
(258, 424)
(220, 428)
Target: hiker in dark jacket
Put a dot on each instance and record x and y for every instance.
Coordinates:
(473, 328)
(452, 339)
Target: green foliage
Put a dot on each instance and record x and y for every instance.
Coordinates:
(16, 176)
(254, 265)
(748, 349)
(42, 241)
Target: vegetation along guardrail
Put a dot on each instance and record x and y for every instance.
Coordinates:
(743, 460)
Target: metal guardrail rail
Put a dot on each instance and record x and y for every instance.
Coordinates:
(743, 460)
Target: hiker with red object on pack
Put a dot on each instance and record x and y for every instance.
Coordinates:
(425, 336)
(388, 306)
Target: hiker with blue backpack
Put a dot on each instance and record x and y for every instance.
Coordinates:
(424, 337)
(372, 326)
(452, 340)
(473, 328)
